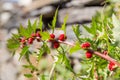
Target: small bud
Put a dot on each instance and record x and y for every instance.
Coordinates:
(105, 52)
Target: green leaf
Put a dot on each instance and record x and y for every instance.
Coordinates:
(40, 25)
(30, 67)
(41, 52)
(94, 25)
(34, 26)
(44, 49)
(93, 29)
(76, 31)
(29, 23)
(64, 24)
(24, 51)
(64, 60)
(13, 43)
(54, 20)
(88, 29)
(28, 75)
(75, 48)
(45, 35)
(27, 57)
(42, 77)
(29, 28)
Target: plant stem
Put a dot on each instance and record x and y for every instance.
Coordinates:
(51, 72)
(106, 57)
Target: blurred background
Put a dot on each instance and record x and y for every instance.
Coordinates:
(16, 12)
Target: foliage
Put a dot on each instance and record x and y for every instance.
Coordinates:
(104, 37)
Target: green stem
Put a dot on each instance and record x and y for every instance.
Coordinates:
(106, 57)
(51, 72)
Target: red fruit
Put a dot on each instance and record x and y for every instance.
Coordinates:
(23, 40)
(89, 54)
(111, 66)
(38, 34)
(33, 35)
(62, 37)
(52, 36)
(30, 40)
(56, 44)
(85, 45)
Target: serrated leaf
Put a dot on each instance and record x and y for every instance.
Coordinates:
(54, 20)
(40, 54)
(29, 23)
(23, 31)
(28, 75)
(75, 48)
(29, 28)
(44, 49)
(88, 29)
(64, 24)
(40, 25)
(24, 51)
(76, 31)
(34, 26)
(45, 35)
(64, 60)
(13, 43)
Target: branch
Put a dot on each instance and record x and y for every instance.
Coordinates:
(106, 57)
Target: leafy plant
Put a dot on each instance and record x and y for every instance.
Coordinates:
(101, 49)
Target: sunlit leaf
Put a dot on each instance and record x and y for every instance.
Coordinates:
(64, 24)
(24, 50)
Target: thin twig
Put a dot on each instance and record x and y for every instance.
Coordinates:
(106, 57)
(51, 72)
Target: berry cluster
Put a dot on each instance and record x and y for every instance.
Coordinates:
(87, 45)
(89, 54)
(55, 42)
(27, 41)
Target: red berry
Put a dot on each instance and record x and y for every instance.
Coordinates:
(23, 40)
(85, 45)
(30, 40)
(33, 35)
(52, 36)
(89, 54)
(111, 66)
(56, 44)
(62, 37)
(38, 34)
